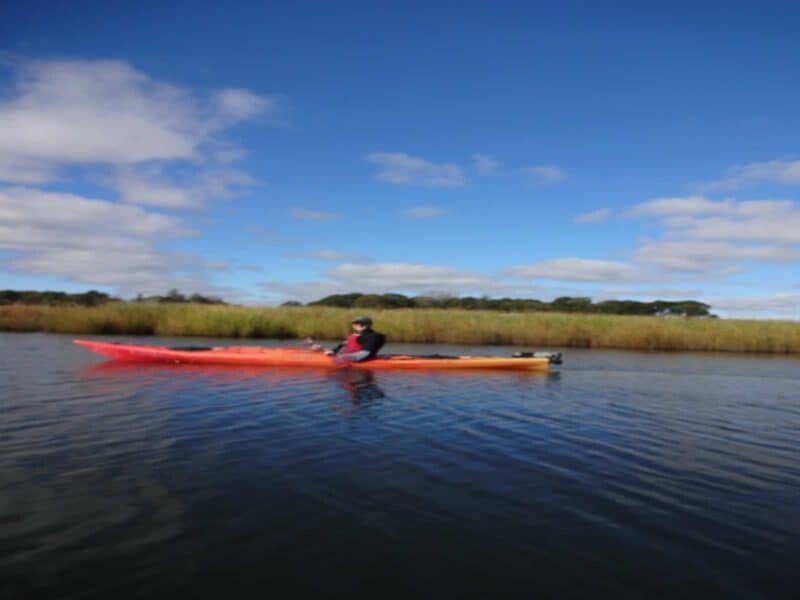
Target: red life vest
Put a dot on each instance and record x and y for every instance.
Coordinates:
(351, 344)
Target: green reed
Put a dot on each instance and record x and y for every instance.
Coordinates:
(412, 325)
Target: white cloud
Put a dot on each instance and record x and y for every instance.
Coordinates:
(577, 269)
(312, 215)
(423, 212)
(217, 265)
(681, 206)
(401, 168)
(21, 207)
(709, 257)
(596, 216)
(96, 242)
(23, 170)
(151, 186)
(329, 255)
(409, 276)
(786, 305)
(546, 173)
(137, 189)
(305, 291)
(719, 237)
(700, 206)
(699, 218)
(106, 112)
(228, 153)
(783, 229)
(485, 164)
(154, 143)
(223, 183)
(240, 105)
(260, 234)
(774, 171)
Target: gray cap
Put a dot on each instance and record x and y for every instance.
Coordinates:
(363, 321)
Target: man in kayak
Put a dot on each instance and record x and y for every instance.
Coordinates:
(363, 344)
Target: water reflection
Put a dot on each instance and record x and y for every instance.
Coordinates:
(631, 474)
(361, 386)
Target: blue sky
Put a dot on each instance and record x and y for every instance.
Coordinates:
(265, 153)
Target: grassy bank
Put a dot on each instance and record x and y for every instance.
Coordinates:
(538, 330)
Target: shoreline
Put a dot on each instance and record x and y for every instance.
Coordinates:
(437, 326)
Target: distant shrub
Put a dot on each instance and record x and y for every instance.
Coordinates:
(563, 304)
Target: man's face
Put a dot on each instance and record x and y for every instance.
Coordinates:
(359, 326)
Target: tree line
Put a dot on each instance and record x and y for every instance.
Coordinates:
(175, 296)
(569, 304)
(52, 298)
(94, 298)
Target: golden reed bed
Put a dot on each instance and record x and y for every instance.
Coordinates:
(539, 330)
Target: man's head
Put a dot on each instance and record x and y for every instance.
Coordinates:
(361, 323)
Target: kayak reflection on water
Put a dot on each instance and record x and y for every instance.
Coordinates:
(360, 385)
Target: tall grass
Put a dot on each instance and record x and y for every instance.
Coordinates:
(416, 325)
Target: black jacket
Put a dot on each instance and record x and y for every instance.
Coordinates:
(369, 340)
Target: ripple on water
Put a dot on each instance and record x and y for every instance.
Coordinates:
(623, 473)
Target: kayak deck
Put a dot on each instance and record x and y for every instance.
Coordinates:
(298, 357)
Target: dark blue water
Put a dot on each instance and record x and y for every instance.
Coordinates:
(621, 473)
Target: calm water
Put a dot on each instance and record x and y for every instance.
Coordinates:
(623, 473)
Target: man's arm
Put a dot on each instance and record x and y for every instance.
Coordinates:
(355, 356)
(334, 350)
(372, 342)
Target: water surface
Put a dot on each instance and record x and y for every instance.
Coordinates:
(627, 473)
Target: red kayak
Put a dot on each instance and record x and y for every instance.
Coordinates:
(297, 357)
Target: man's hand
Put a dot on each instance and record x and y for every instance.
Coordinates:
(328, 352)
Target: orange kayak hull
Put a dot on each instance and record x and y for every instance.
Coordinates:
(297, 357)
